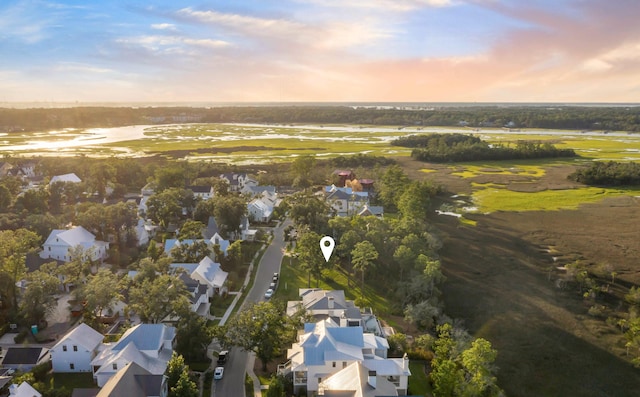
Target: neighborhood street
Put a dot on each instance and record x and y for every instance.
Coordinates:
(232, 384)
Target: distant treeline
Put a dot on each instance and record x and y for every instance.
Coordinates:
(442, 148)
(609, 173)
(558, 117)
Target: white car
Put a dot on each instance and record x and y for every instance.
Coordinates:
(268, 294)
(217, 374)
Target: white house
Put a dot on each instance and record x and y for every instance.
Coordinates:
(332, 304)
(357, 380)
(134, 380)
(202, 192)
(23, 390)
(60, 242)
(344, 201)
(74, 352)
(259, 210)
(325, 348)
(71, 178)
(148, 345)
(206, 272)
(238, 181)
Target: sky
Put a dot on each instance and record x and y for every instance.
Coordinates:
(320, 51)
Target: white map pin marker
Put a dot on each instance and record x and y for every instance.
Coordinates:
(326, 245)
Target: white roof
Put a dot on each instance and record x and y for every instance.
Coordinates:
(387, 366)
(24, 390)
(354, 378)
(211, 271)
(73, 178)
(82, 335)
(72, 237)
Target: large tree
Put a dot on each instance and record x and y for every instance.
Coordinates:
(102, 291)
(165, 207)
(154, 299)
(228, 211)
(14, 246)
(193, 335)
(301, 168)
(263, 329)
(37, 299)
(309, 254)
(363, 256)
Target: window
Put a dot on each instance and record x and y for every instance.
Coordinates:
(114, 366)
(72, 366)
(64, 348)
(75, 348)
(344, 364)
(333, 364)
(319, 380)
(49, 248)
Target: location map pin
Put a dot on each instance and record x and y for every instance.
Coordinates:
(326, 245)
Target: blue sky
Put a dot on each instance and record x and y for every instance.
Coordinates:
(320, 50)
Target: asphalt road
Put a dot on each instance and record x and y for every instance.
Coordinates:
(232, 383)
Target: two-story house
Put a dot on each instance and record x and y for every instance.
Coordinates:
(74, 352)
(332, 304)
(324, 348)
(60, 243)
(134, 380)
(148, 345)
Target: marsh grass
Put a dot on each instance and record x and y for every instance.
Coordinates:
(492, 199)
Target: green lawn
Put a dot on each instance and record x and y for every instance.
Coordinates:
(73, 381)
(418, 381)
(292, 278)
(220, 304)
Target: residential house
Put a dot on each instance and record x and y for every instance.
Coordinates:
(254, 191)
(5, 168)
(207, 272)
(344, 201)
(216, 239)
(148, 345)
(325, 348)
(70, 178)
(367, 185)
(238, 181)
(60, 242)
(259, 211)
(25, 170)
(135, 381)
(74, 352)
(23, 390)
(202, 192)
(147, 191)
(24, 358)
(356, 380)
(144, 230)
(332, 304)
(371, 210)
(342, 176)
(198, 293)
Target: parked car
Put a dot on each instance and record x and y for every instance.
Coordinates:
(272, 286)
(222, 357)
(217, 374)
(268, 294)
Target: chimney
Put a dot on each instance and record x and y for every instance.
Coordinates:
(330, 303)
(371, 380)
(405, 362)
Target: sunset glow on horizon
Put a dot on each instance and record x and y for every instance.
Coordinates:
(320, 50)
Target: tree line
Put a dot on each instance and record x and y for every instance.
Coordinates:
(608, 173)
(442, 148)
(622, 118)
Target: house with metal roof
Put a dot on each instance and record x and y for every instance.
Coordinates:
(356, 380)
(148, 345)
(60, 243)
(74, 352)
(324, 348)
(135, 381)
